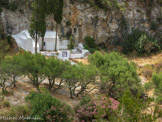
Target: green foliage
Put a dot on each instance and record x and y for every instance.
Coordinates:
(71, 45)
(38, 24)
(90, 44)
(48, 108)
(116, 73)
(4, 48)
(9, 5)
(149, 86)
(4, 3)
(68, 23)
(79, 76)
(32, 66)
(141, 42)
(157, 80)
(154, 26)
(99, 107)
(53, 70)
(132, 109)
(12, 6)
(9, 71)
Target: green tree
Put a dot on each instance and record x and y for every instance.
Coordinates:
(58, 16)
(9, 71)
(53, 70)
(79, 76)
(32, 66)
(55, 8)
(116, 73)
(42, 28)
(38, 24)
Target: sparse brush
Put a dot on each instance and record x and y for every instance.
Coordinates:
(148, 86)
(6, 103)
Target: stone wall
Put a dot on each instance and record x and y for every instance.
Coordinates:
(81, 19)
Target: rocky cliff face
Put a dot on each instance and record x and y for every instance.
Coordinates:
(81, 19)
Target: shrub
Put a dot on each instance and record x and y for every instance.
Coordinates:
(48, 108)
(6, 103)
(71, 45)
(99, 107)
(12, 6)
(86, 109)
(1, 9)
(4, 3)
(147, 71)
(116, 73)
(154, 26)
(158, 66)
(133, 109)
(141, 42)
(21, 110)
(149, 86)
(4, 49)
(90, 42)
(157, 80)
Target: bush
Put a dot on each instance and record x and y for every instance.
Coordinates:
(133, 109)
(12, 6)
(116, 74)
(86, 109)
(141, 42)
(99, 107)
(157, 80)
(48, 108)
(149, 86)
(147, 71)
(71, 45)
(90, 44)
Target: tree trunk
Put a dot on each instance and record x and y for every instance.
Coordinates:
(14, 81)
(3, 90)
(56, 38)
(37, 83)
(71, 93)
(36, 39)
(42, 43)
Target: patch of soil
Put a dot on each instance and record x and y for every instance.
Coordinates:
(84, 61)
(150, 60)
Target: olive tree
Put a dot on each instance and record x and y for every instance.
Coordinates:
(53, 70)
(116, 73)
(33, 67)
(78, 77)
(9, 72)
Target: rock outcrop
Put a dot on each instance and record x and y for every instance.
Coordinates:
(81, 19)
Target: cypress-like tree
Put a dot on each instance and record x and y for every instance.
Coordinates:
(58, 16)
(38, 24)
(42, 28)
(55, 8)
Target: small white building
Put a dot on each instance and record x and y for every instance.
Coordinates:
(26, 42)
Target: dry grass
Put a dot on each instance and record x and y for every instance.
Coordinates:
(150, 60)
(84, 61)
